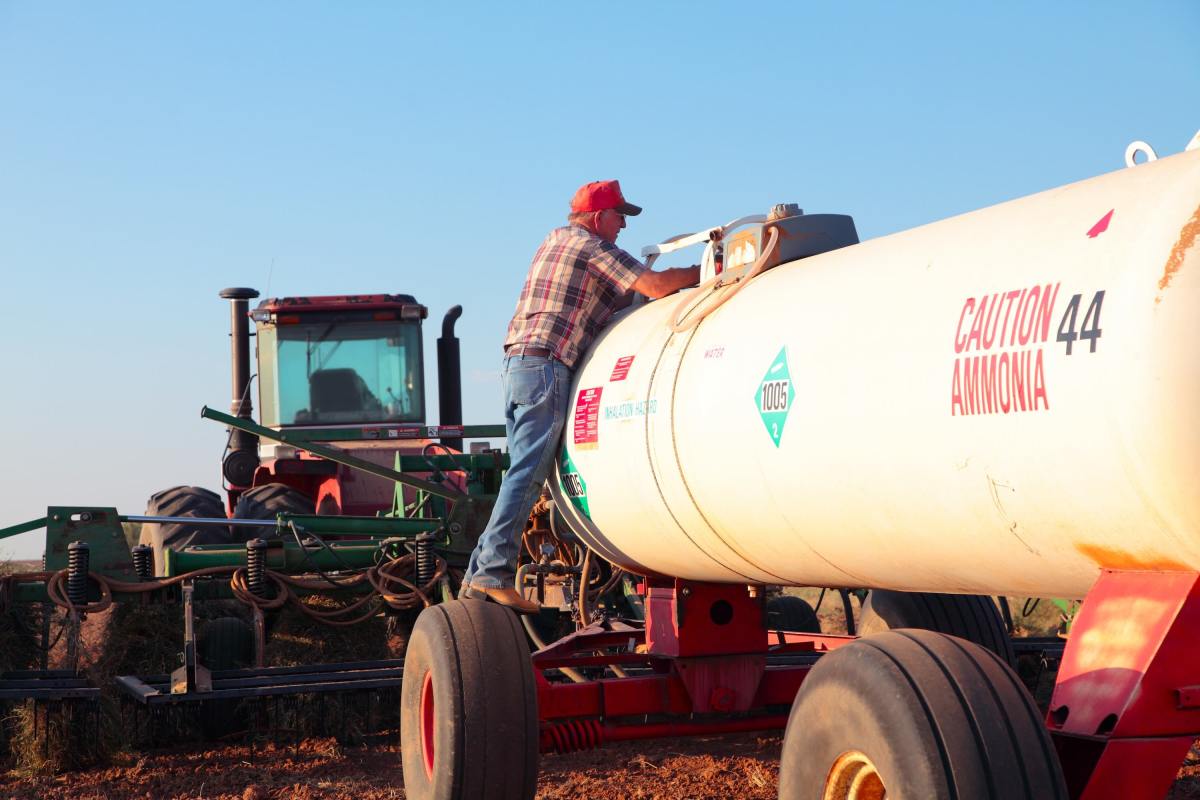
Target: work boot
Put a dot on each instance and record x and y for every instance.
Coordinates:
(507, 597)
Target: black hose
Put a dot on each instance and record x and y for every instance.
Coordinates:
(848, 608)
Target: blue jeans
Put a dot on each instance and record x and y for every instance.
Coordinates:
(536, 396)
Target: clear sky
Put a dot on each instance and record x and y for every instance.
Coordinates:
(154, 153)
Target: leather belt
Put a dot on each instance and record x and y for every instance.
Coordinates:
(526, 350)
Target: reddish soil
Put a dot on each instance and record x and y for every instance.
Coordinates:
(747, 767)
(742, 766)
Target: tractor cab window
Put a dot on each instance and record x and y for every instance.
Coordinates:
(341, 373)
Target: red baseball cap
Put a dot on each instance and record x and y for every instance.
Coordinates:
(601, 195)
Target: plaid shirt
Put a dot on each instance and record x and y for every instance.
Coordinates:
(574, 285)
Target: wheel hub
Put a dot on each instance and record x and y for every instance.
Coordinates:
(854, 777)
(427, 724)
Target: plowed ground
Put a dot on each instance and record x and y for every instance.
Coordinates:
(741, 766)
(734, 766)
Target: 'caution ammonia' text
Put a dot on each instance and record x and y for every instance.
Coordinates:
(999, 342)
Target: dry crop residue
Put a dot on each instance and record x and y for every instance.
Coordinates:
(747, 767)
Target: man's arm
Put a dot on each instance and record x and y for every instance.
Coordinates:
(660, 284)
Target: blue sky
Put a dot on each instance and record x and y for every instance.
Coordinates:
(152, 154)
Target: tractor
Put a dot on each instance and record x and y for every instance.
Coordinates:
(341, 505)
(345, 370)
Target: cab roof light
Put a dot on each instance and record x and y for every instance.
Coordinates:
(414, 312)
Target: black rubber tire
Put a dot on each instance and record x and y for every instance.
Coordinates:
(937, 716)
(264, 502)
(973, 617)
(786, 612)
(182, 501)
(224, 643)
(483, 721)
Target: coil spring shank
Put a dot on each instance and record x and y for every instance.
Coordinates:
(143, 561)
(256, 567)
(572, 735)
(78, 557)
(426, 562)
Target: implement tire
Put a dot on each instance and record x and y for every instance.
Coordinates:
(916, 715)
(787, 612)
(973, 617)
(264, 502)
(182, 501)
(468, 706)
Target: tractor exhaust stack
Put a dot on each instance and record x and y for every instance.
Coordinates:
(449, 377)
(242, 458)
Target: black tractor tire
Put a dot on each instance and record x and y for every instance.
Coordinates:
(973, 617)
(786, 612)
(468, 706)
(264, 502)
(224, 643)
(917, 715)
(182, 501)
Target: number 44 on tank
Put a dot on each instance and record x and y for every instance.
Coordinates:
(1090, 330)
(774, 396)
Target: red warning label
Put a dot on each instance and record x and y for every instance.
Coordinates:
(621, 370)
(587, 417)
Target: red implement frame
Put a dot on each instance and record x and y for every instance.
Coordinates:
(1124, 713)
(1126, 705)
(704, 664)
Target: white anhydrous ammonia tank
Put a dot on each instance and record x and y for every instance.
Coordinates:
(1002, 402)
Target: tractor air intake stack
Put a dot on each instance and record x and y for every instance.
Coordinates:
(450, 378)
(242, 459)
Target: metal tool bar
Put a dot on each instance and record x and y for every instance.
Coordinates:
(269, 691)
(366, 526)
(18, 674)
(250, 523)
(331, 454)
(297, 680)
(24, 527)
(395, 432)
(155, 689)
(51, 693)
(283, 672)
(36, 684)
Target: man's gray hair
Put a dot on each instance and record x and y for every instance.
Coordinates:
(579, 216)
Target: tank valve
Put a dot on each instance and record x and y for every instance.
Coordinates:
(78, 554)
(256, 567)
(143, 561)
(782, 210)
(426, 564)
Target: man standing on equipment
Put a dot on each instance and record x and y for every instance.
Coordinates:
(578, 279)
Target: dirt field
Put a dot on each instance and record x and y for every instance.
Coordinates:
(741, 766)
(747, 767)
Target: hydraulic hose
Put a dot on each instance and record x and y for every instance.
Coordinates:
(715, 292)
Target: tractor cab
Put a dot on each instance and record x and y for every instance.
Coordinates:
(333, 361)
(347, 370)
